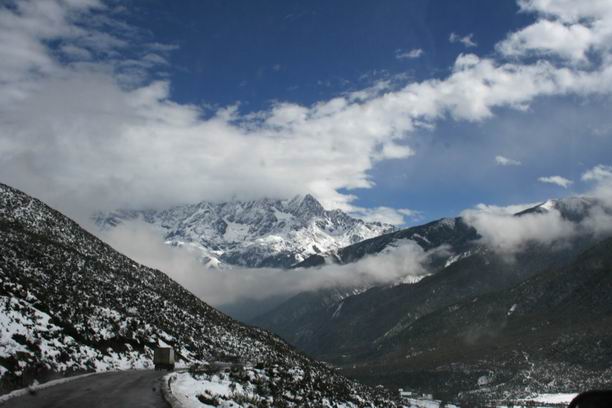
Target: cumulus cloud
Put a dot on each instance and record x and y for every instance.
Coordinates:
(550, 37)
(504, 161)
(507, 233)
(406, 262)
(118, 139)
(567, 29)
(466, 40)
(556, 180)
(598, 173)
(601, 176)
(412, 54)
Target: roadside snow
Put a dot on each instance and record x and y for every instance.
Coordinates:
(561, 398)
(29, 332)
(423, 403)
(186, 390)
(249, 386)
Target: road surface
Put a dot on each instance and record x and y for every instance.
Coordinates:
(124, 389)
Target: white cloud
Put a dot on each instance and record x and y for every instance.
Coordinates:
(556, 180)
(507, 233)
(598, 173)
(118, 139)
(504, 161)
(404, 262)
(466, 40)
(601, 175)
(544, 36)
(412, 54)
(568, 11)
(568, 29)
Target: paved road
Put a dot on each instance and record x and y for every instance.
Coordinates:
(125, 389)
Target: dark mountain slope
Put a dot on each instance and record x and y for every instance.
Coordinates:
(350, 326)
(346, 331)
(453, 232)
(69, 303)
(550, 333)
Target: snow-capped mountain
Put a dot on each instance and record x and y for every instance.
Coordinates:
(70, 303)
(457, 233)
(260, 233)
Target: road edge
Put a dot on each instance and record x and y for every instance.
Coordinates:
(35, 387)
(166, 387)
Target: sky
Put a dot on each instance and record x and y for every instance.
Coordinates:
(402, 112)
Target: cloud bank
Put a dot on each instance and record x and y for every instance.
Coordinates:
(119, 140)
(406, 262)
(506, 233)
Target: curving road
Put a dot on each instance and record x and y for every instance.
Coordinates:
(125, 389)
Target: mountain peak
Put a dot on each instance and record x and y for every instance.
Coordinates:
(306, 205)
(265, 232)
(571, 208)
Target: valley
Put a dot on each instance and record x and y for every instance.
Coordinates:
(306, 204)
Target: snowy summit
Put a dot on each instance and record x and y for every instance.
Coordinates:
(258, 233)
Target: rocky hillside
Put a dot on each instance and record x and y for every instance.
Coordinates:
(345, 330)
(273, 233)
(458, 330)
(550, 333)
(70, 303)
(295, 318)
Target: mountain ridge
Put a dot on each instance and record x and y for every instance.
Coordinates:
(256, 233)
(549, 333)
(455, 232)
(70, 303)
(353, 331)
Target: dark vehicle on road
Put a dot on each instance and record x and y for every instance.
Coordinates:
(163, 358)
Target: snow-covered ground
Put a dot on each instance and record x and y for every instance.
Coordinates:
(248, 386)
(541, 400)
(29, 333)
(72, 304)
(548, 399)
(561, 398)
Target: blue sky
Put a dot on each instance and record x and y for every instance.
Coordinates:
(258, 52)
(378, 109)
